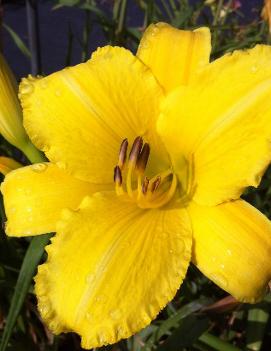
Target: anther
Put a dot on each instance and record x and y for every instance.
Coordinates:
(145, 185)
(135, 150)
(123, 153)
(155, 184)
(117, 175)
(143, 158)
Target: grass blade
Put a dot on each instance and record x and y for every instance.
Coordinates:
(28, 268)
(257, 322)
(216, 343)
(18, 41)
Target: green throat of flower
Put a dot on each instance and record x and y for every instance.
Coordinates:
(147, 192)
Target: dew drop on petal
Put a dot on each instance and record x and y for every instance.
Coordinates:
(120, 332)
(39, 167)
(88, 316)
(12, 210)
(115, 314)
(43, 84)
(229, 252)
(26, 88)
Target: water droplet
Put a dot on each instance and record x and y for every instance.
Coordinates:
(154, 31)
(43, 84)
(144, 45)
(26, 88)
(102, 337)
(12, 210)
(100, 298)
(26, 191)
(219, 279)
(229, 252)
(125, 244)
(39, 167)
(171, 251)
(115, 314)
(120, 332)
(254, 69)
(44, 310)
(181, 246)
(88, 316)
(29, 209)
(30, 219)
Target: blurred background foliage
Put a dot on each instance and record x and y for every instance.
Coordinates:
(201, 317)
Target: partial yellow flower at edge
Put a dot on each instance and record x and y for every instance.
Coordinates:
(138, 238)
(7, 165)
(266, 13)
(11, 119)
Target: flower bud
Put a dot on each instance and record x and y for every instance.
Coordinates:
(11, 125)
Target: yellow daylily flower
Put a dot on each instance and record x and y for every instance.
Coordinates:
(7, 165)
(266, 13)
(11, 117)
(182, 146)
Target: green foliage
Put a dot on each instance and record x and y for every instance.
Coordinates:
(201, 317)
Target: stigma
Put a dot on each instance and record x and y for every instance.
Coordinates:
(130, 177)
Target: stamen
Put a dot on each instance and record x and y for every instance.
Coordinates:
(155, 184)
(123, 153)
(145, 185)
(135, 151)
(149, 193)
(117, 175)
(118, 181)
(143, 158)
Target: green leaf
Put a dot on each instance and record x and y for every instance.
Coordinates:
(175, 321)
(30, 262)
(216, 343)
(257, 320)
(18, 41)
(186, 334)
(183, 312)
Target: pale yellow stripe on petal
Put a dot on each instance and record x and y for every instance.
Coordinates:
(232, 246)
(111, 268)
(174, 55)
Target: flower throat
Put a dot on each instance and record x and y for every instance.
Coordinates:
(151, 192)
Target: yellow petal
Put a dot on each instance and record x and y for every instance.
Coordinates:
(174, 55)
(222, 125)
(79, 116)
(35, 195)
(232, 246)
(11, 124)
(111, 268)
(7, 164)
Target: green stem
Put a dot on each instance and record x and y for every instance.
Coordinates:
(32, 153)
(217, 343)
(121, 21)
